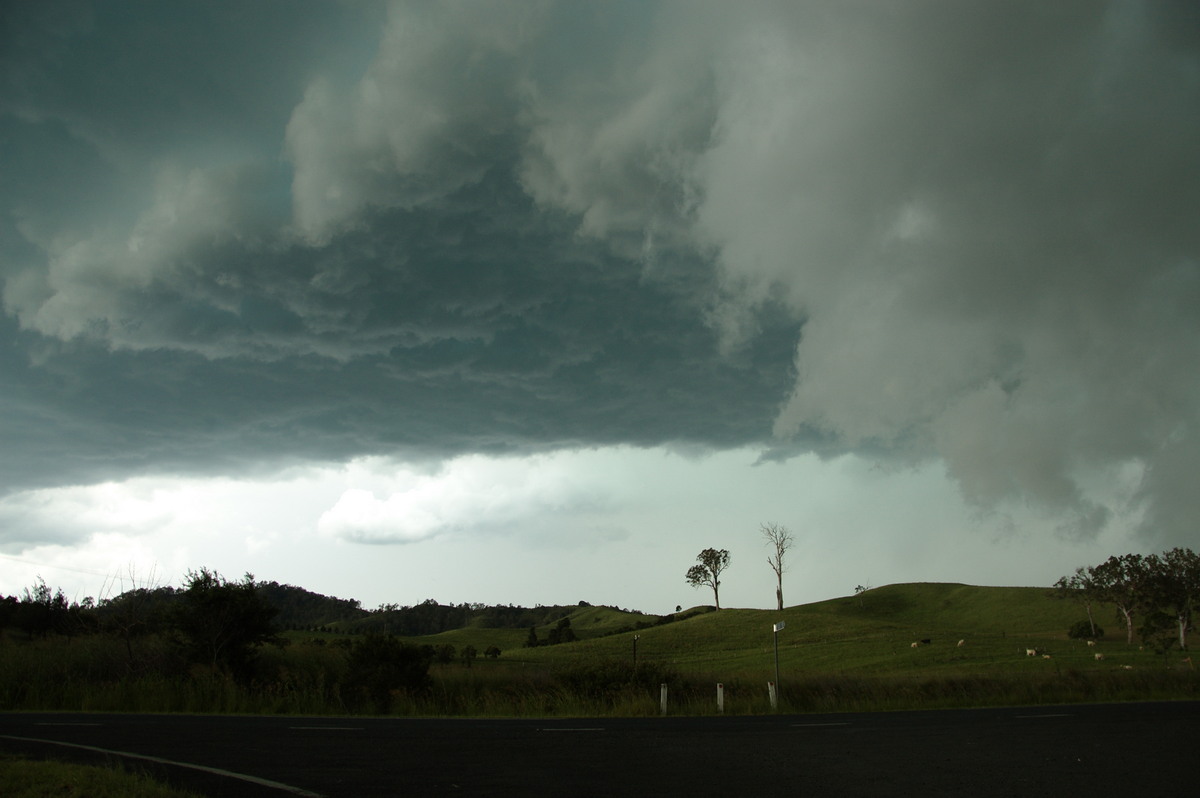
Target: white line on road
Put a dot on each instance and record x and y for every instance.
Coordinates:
(229, 774)
(1058, 715)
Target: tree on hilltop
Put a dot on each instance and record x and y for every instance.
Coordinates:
(779, 538)
(707, 571)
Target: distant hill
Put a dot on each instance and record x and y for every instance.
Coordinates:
(302, 609)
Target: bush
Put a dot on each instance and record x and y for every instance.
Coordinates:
(380, 665)
(606, 679)
(1082, 630)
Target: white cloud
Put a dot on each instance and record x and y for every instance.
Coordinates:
(466, 495)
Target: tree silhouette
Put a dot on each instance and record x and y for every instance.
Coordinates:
(707, 571)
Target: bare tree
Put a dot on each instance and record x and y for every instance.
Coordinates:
(780, 540)
(707, 571)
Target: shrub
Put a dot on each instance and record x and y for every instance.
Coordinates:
(606, 679)
(380, 665)
(1082, 630)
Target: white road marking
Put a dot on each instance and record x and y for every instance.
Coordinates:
(159, 761)
(1058, 715)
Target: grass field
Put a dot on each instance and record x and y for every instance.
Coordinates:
(27, 778)
(844, 654)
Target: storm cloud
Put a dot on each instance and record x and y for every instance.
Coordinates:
(240, 238)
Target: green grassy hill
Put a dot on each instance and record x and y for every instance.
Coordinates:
(868, 633)
(845, 654)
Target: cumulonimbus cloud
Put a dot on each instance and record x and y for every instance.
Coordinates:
(983, 217)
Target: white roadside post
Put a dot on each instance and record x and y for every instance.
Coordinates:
(720, 698)
(662, 697)
(774, 689)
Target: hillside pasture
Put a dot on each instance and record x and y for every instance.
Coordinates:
(844, 654)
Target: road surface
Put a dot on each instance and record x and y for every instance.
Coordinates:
(1097, 750)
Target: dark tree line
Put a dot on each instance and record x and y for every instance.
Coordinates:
(1154, 594)
(211, 621)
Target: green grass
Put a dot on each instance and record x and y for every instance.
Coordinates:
(844, 654)
(24, 778)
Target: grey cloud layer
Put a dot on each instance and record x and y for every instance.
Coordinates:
(497, 227)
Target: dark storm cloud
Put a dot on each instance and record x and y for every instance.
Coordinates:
(250, 235)
(473, 325)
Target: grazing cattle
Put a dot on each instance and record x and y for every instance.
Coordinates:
(1099, 657)
(962, 643)
(915, 645)
(1092, 643)
(926, 641)
(1126, 667)
(1045, 656)
(1031, 652)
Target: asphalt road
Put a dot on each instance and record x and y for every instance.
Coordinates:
(1095, 750)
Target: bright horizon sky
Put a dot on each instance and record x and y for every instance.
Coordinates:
(530, 302)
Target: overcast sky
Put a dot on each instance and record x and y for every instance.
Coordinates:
(530, 302)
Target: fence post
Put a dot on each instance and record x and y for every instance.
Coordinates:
(662, 697)
(720, 698)
(773, 693)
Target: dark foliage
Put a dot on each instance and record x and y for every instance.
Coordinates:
(561, 633)
(1082, 630)
(222, 623)
(297, 608)
(380, 665)
(606, 679)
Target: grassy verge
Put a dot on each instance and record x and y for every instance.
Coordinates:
(25, 778)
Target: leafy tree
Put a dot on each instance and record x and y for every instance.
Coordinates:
(707, 571)
(42, 611)
(532, 641)
(491, 652)
(1123, 581)
(561, 633)
(1175, 587)
(468, 655)
(222, 622)
(1082, 587)
(779, 538)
